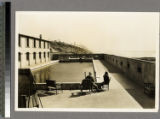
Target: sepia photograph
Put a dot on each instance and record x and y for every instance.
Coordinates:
(87, 61)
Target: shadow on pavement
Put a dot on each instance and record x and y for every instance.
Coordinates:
(110, 67)
(144, 100)
(136, 91)
(46, 93)
(78, 94)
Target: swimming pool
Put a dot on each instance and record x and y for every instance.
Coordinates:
(63, 72)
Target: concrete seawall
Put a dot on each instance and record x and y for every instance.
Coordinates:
(138, 70)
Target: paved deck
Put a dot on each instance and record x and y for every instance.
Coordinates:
(136, 91)
(116, 97)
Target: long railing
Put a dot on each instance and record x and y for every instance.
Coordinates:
(70, 56)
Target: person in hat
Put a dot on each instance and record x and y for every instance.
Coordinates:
(94, 85)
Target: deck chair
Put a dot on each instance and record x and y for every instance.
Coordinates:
(51, 85)
(105, 87)
(86, 85)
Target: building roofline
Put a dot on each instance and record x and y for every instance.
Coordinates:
(23, 35)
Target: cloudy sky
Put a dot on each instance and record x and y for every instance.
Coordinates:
(120, 33)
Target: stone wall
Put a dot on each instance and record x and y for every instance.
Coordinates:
(138, 70)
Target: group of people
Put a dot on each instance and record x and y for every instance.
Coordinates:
(106, 81)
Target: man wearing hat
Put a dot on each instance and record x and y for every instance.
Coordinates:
(94, 85)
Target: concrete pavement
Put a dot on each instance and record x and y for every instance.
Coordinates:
(136, 91)
(117, 97)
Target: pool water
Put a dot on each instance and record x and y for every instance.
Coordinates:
(64, 72)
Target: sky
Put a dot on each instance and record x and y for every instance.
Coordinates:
(121, 33)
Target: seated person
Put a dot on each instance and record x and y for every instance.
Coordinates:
(106, 79)
(94, 85)
(86, 84)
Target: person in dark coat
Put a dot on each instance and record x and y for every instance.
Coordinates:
(89, 77)
(106, 79)
(94, 85)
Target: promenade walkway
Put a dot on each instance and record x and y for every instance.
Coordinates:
(136, 91)
(116, 98)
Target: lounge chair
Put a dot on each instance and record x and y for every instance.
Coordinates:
(86, 85)
(51, 85)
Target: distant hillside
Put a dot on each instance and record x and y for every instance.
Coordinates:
(63, 47)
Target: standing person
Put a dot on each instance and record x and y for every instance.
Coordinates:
(106, 79)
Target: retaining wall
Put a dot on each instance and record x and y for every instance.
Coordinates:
(138, 70)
